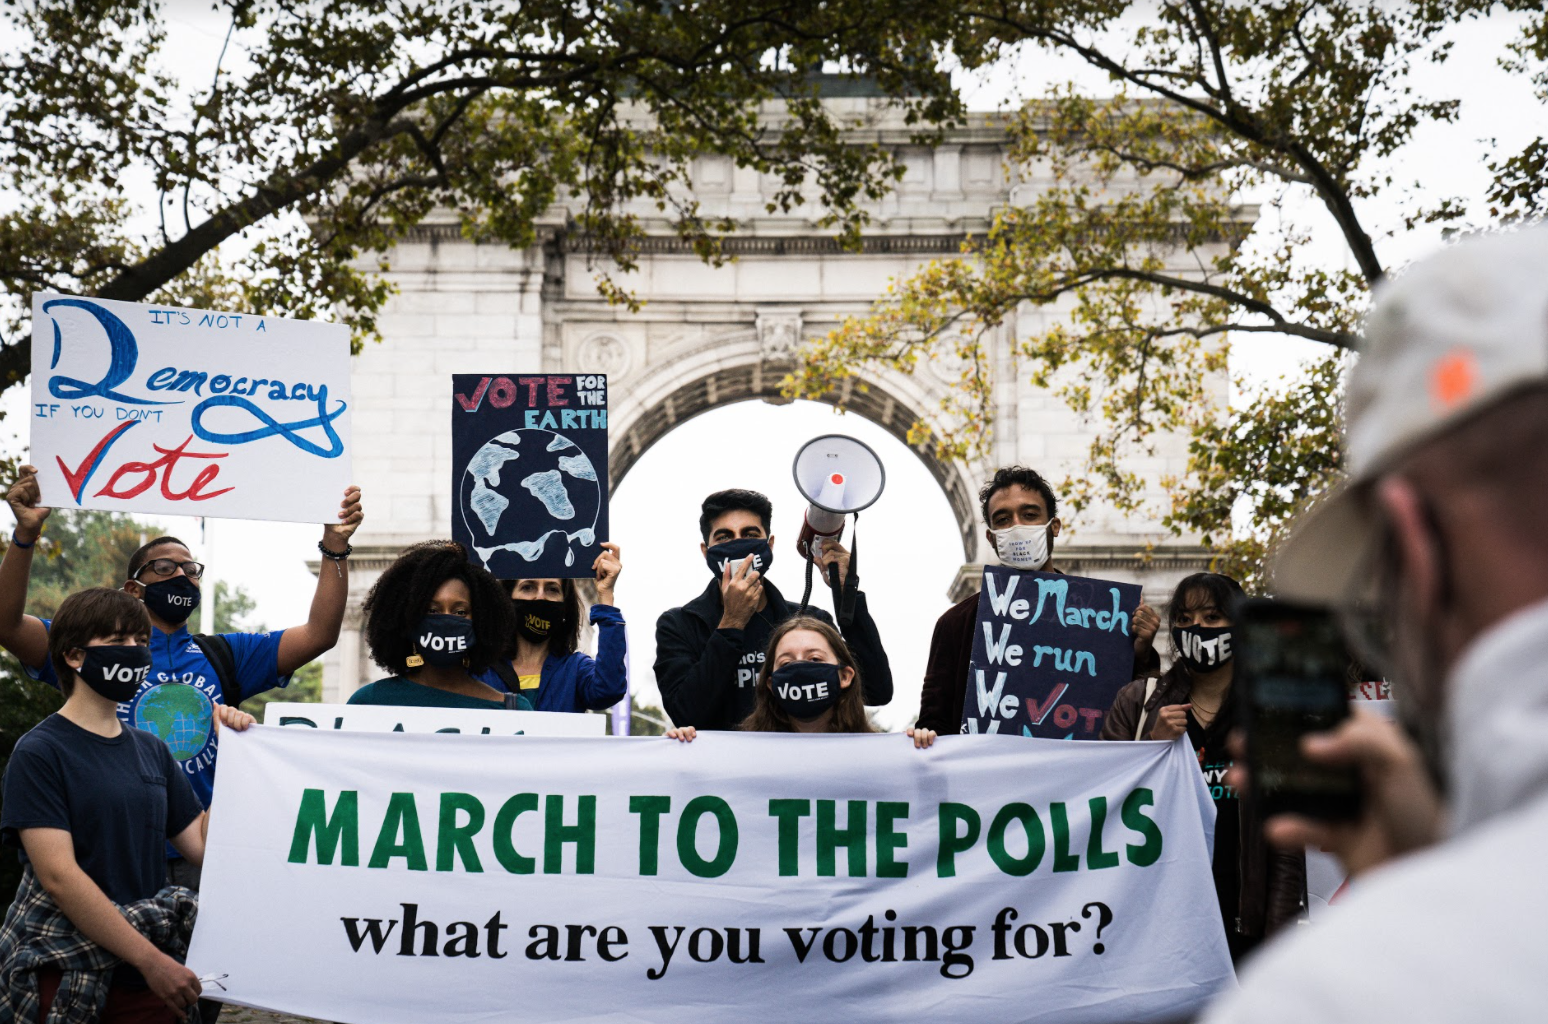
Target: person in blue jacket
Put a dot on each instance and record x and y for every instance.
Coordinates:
(545, 665)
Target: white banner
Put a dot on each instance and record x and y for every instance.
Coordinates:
(381, 718)
(139, 407)
(397, 879)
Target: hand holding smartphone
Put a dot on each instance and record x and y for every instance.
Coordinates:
(1295, 667)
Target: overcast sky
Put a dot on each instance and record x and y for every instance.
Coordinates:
(910, 547)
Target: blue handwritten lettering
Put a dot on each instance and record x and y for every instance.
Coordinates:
(289, 431)
(123, 354)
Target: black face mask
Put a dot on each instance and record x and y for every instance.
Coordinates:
(736, 551)
(1203, 648)
(115, 672)
(171, 600)
(444, 641)
(537, 619)
(805, 689)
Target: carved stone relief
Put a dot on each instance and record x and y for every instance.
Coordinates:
(604, 353)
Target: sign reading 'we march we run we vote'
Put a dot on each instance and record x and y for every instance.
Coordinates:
(138, 407)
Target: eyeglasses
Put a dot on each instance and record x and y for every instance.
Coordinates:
(168, 566)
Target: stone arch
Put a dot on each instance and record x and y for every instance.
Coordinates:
(733, 369)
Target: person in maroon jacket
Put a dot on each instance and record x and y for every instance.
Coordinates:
(1022, 519)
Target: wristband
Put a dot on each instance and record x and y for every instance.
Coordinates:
(337, 556)
(24, 545)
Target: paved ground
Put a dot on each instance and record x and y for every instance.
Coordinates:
(242, 1015)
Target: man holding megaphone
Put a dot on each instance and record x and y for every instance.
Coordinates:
(710, 650)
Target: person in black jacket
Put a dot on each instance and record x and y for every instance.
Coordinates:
(710, 650)
(1021, 515)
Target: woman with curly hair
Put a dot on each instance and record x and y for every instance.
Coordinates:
(809, 683)
(436, 621)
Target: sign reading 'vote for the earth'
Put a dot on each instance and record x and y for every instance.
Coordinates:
(529, 471)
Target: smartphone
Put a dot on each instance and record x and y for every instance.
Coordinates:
(1295, 668)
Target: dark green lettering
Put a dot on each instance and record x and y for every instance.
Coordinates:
(556, 834)
(453, 840)
(1146, 853)
(1031, 824)
(789, 813)
(1063, 859)
(313, 819)
(1096, 857)
(830, 837)
(951, 843)
(688, 831)
(402, 817)
(650, 809)
(504, 843)
(889, 840)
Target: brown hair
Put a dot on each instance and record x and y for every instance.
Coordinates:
(848, 712)
(566, 640)
(86, 615)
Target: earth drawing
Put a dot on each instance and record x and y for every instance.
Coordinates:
(178, 713)
(523, 489)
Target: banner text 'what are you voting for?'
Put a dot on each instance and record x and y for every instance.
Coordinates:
(684, 879)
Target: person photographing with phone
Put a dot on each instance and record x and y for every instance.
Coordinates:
(1260, 888)
(1434, 552)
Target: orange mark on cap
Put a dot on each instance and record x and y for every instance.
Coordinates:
(1453, 379)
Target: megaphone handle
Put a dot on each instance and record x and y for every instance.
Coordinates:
(833, 578)
(844, 598)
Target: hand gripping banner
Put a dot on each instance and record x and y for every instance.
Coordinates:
(399, 878)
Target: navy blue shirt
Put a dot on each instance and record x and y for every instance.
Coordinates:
(177, 700)
(120, 799)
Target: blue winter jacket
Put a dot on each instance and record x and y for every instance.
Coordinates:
(577, 681)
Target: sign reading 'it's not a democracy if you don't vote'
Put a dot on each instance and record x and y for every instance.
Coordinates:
(141, 407)
(395, 878)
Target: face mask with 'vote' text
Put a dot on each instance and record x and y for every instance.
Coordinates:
(444, 640)
(805, 689)
(1203, 648)
(115, 671)
(735, 552)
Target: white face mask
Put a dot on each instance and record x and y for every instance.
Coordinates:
(1022, 547)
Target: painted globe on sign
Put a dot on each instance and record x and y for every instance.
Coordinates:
(178, 713)
(525, 493)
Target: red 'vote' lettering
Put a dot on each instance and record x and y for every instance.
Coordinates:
(472, 404)
(148, 471)
(502, 393)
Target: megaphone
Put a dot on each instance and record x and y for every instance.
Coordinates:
(838, 476)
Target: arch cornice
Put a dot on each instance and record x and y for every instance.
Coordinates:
(733, 368)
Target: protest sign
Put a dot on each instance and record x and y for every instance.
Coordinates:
(395, 879)
(529, 472)
(139, 407)
(1050, 652)
(380, 718)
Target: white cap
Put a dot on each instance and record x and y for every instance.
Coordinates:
(1452, 336)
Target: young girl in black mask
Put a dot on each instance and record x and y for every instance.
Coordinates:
(1259, 888)
(435, 621)
(543, 664)
(809, 683)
